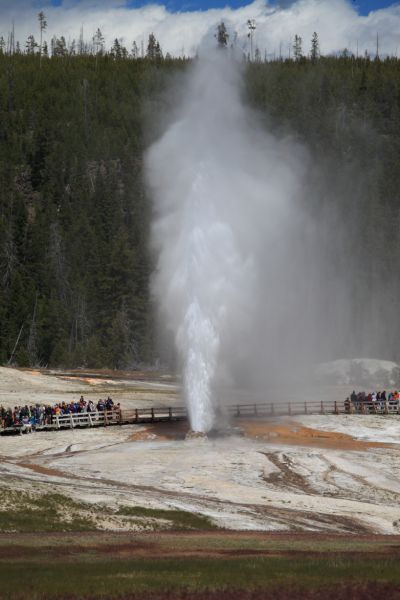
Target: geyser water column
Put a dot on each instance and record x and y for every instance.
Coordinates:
(220, 189)
(196, 282)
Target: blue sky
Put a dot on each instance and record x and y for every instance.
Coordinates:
(364, 6)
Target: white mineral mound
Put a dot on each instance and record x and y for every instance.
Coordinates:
(359, 371)
(28, 387)
(15, 379)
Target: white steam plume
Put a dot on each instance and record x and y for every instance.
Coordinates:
(223, 192)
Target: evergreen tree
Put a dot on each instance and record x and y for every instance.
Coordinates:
(222, 35)
(99, 43)
(314, 52)
(297, 48)
(158, 51)
(81, 43)
(153, 48)
(135, 50)
(42, 28)
(251, 26)
(59, 46)
(30, 45)
(116, 49)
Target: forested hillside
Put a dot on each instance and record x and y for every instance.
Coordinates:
(74, 263)
(74, 215)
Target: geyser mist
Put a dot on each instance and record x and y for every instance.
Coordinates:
(223, 191)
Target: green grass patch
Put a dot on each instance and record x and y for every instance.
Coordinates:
(181, 520)
(21, 512)
(232, 542)
(108, 565)
(110, 578)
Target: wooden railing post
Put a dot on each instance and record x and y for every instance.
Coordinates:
(272, 408)
(152, 415)
(255, 410)
(290, 408)
(170, 413)
(386, 408)
(238, 411)
(136, 415)
(71, 421)
(336, 408)
(322, 407)
(305, 408)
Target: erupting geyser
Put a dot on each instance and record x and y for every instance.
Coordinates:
(221, 190)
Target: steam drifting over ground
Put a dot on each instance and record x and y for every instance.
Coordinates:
(223, 192)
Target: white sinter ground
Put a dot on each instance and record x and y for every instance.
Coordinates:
(241, 483)
(371, 428)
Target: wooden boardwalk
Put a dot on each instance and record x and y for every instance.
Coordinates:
(179, 413)
(322, 407)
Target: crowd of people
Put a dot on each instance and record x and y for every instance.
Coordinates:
(43, 414)
(373, 401)
(374, 396)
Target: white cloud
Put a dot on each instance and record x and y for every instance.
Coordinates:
(336, 21)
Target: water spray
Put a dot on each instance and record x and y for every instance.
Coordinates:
(221, 192)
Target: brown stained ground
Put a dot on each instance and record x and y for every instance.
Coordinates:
(291, 433)
(175, 430)
(95, 377)
(287, 475)
(217, 544)
(282, 431)
(42, 470)
(132, 551)
(100, 374)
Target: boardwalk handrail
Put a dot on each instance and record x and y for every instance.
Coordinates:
(282, 409)
(117, 416)
(85, 419)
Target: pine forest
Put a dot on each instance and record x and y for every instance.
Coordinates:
(75, 261)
